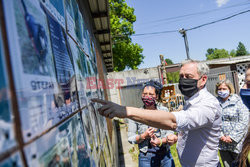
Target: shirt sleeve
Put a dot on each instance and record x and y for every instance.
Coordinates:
(240, 127)
(165, 133)
(132, 131)
(196, 116)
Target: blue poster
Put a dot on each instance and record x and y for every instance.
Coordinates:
(66, 98)
(7, 139)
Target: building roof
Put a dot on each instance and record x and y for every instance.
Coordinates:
(229, 60)
(100, 14)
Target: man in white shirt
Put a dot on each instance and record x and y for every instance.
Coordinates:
(198, 123)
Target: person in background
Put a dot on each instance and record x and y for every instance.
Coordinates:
(153, 143)
(198, 124)
(244, 157)
(234, 122)
(245, 91)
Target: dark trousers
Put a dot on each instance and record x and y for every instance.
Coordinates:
(227, 158)
(151, 159)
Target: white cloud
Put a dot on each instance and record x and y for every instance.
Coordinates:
(221, 2)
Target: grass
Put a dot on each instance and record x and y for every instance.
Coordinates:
(175, 155)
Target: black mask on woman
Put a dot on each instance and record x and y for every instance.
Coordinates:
(188, 87)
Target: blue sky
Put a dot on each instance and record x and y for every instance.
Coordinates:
(152, 16)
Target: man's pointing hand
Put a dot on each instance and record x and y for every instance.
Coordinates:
(110, 109)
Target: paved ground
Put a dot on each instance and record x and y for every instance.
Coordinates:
(124, 155)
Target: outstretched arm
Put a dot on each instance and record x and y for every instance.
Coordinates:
(155, 118)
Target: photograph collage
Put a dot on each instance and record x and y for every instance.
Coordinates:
(52, 54)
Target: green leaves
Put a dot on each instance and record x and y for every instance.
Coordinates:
(216, 53)
(241, 50)
(222, 53)
(125, 53)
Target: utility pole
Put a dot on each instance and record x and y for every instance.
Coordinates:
(184, 35)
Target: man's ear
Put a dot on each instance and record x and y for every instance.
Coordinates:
(204, 80)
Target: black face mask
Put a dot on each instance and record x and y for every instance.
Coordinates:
(188, 87)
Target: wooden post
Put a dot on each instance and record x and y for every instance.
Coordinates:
(163, 69)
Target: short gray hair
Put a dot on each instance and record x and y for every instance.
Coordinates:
(202, 68)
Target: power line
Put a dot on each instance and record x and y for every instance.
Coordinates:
(202, 25)
(190, 16)
(218, 20)
(198, 13)
(154, 33)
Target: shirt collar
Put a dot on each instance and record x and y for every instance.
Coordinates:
(197, 96)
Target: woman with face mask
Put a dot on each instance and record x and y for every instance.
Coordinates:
(153, 143)
(234, 122)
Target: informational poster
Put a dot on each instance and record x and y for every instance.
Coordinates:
(32, 64)
(46, 91)
(56, 8)
(70, 17)
(66, 97)
(65, 145)
(7, 139)
(81, 71)
(90, 133)
(13, 160)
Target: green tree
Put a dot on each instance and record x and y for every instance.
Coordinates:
(216, 53)
(168, 61)
(241, 50)
(210, 51)
(232, 53)
(172, 77)
(125, 53)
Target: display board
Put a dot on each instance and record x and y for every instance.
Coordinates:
(52, 55)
